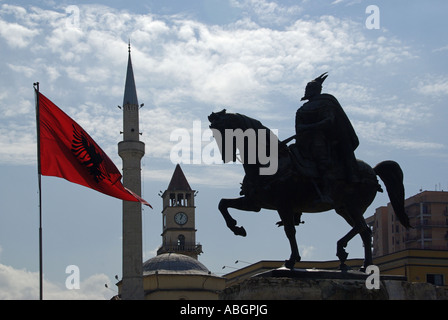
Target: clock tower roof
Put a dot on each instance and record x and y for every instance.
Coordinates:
(178, 180)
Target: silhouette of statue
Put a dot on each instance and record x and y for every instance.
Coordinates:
(325, 136)
(292, 190)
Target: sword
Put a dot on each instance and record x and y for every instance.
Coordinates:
(284, 142)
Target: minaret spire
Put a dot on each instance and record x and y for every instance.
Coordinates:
(131, 150)
(130, 92)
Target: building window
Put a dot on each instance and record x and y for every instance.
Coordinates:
(188, 200)
(436, 279)
(172, 199)
(180, 200)
(425, 209)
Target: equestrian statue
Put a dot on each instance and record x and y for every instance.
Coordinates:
(317, 173)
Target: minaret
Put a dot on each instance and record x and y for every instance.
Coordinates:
(131, 151)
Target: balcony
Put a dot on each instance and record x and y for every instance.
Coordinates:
(426, 223)
(409, 239)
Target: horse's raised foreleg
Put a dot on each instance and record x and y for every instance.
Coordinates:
(241, 204)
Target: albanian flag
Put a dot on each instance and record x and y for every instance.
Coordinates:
(67, 151)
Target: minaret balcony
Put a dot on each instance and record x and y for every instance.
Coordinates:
(126, 148)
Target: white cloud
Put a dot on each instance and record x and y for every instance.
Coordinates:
(182, 66)
(157, 128)
(348, 2)
(385, 120)
(441, 49)
(16, 35)
(25, 70)
(306, 252)
(407, 144)
(433, 86)
(20, 284)
(267, 12)
(17, 145)
(384, 134)
(398, 115)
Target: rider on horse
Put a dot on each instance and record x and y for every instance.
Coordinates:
(325, 135)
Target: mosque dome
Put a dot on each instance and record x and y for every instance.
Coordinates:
(173, 263)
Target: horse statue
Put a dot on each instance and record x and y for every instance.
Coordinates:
(291, 190)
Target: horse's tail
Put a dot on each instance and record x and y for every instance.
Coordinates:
(392, 176)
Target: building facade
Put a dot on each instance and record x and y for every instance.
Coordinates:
(428, 214)
(175, 273)
(420, 254)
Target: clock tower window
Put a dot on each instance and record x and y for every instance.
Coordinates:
(172, 199)
(180, 199)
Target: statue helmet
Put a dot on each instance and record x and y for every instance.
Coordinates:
(314, 87)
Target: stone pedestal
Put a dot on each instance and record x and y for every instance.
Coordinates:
(283, 284)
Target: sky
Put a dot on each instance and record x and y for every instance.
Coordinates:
(191, 58)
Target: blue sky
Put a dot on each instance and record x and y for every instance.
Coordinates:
(191, 58)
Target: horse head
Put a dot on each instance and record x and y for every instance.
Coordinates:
(219, 122)
(216, 116)
(257, 144)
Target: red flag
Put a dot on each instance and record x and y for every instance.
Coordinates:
(67, 151)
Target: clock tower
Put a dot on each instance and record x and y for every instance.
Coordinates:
(178, 216)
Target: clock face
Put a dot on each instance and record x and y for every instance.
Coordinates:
(181, 218)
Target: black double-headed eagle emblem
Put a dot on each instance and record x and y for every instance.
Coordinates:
(88, 154)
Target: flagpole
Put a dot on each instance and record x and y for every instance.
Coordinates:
(39, 179)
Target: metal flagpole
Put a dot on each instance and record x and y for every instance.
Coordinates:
(39, 178)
